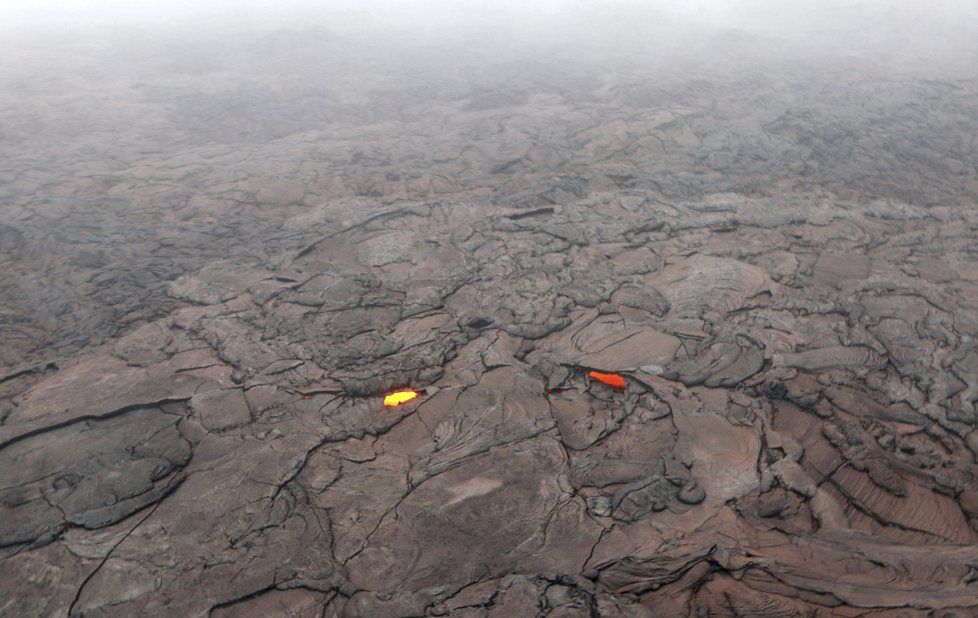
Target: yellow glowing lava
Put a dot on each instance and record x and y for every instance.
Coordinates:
(399, 397)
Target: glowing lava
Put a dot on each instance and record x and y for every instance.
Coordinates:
(399, 397)
(611, 379)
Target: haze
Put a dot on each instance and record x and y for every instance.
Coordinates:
(939, 30)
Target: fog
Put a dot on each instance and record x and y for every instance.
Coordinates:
(938, 30)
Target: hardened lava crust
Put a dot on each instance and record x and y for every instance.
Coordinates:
(675, 353)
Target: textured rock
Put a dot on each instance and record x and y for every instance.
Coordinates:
(89, 474)
(201, 316)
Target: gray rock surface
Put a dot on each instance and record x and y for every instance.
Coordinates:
(199, 332)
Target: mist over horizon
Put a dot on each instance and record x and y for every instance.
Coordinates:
(942, 31)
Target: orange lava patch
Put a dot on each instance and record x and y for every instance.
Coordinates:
(611, 379)
(399, 397)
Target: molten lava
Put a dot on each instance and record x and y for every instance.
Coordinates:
(398, 397)
(611, 379)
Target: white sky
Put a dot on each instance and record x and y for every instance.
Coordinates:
(142, 12)
(804, 20)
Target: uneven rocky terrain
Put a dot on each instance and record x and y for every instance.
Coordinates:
(211, 273)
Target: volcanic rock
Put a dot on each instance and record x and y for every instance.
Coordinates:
(201, 317)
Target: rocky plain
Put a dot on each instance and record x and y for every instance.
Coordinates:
(218, 255)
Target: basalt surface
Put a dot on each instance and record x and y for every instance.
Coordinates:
(198, 338)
